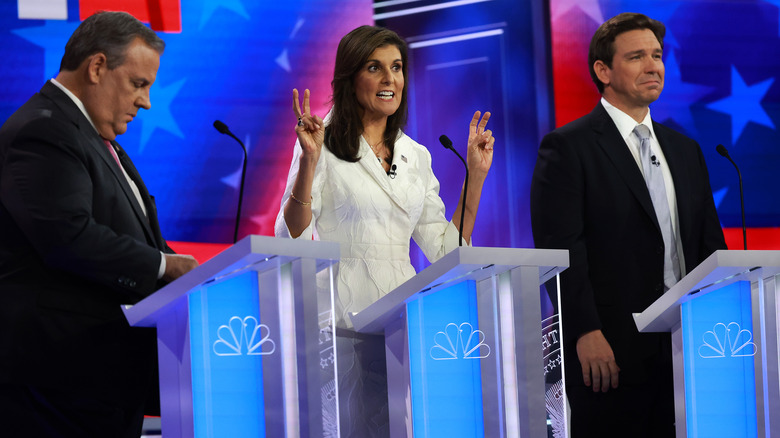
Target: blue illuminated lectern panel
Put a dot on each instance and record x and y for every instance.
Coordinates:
(720, 389)
(227, 367)
(444, 332)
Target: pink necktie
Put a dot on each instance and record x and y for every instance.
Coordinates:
(113, 152)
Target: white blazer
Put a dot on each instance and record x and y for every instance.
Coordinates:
(372, 216)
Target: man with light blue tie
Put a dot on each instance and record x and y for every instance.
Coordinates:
(631, 201)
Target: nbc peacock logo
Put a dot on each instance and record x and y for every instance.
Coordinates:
(459, 342)
(727, 341)
(244, 336)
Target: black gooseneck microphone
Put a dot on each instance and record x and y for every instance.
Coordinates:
(447, 143)
(223, 129)
(723, 151)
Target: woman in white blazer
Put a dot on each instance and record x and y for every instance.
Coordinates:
(371, 188)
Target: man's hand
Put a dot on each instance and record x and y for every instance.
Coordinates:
(598, 361)
(177, 265)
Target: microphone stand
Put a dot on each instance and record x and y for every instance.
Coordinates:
(223, 129)
(447, 143)
(724, 152)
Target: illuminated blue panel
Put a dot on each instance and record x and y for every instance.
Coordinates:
(226, 339)
(720, 395)
(445, 363)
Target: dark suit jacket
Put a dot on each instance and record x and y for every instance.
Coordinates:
(589, 196)
(74, 245)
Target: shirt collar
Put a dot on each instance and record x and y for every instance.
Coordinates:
(75, 100)
(624, 123)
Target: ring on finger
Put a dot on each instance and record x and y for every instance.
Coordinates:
(300, 121)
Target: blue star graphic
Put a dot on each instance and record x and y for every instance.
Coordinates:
(744, 104)
(160, 115)
(210, 6)
(52, 37)
(677, 97)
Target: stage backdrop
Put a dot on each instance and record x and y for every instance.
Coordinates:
(238, 60)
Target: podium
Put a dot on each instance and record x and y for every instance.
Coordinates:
(463, 342)
(245, 342)
(723, 317)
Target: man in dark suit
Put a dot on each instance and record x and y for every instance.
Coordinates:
(592, 194)
(79, 237)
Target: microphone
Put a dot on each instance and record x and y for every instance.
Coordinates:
(392, 172)
(724, 152)
(447, 143)
(223, 129)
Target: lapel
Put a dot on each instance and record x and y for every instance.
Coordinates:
(609, 139)
(94, 143)
(151, 215)
(395, 188)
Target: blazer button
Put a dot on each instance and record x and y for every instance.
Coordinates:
(131, 283)
(659, 250)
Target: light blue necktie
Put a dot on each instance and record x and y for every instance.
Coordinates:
(654, 179)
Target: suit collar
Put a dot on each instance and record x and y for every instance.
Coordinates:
(614, 145)
(394, 187)
(76, 101)
(67, 106)
(625, 124)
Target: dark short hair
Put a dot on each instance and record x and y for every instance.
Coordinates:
(602, 45)
(342, 135)
(109, 33)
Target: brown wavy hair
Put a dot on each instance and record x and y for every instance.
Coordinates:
(342, 135)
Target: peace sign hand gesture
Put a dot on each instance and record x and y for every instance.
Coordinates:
(310, 128)
(480, 146)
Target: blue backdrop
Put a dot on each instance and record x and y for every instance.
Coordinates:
(238, 60)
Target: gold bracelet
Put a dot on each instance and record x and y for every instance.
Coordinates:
(298, 200)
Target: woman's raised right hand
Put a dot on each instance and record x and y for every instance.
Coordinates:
(310, 128)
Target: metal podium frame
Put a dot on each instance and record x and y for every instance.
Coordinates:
(283, 335)
(507, 283)
(720, 270)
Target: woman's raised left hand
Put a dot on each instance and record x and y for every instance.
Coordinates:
(480, 146)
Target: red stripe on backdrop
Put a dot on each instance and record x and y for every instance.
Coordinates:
(575, 93)
(201, 251)
(162, 15)
(757, 238)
